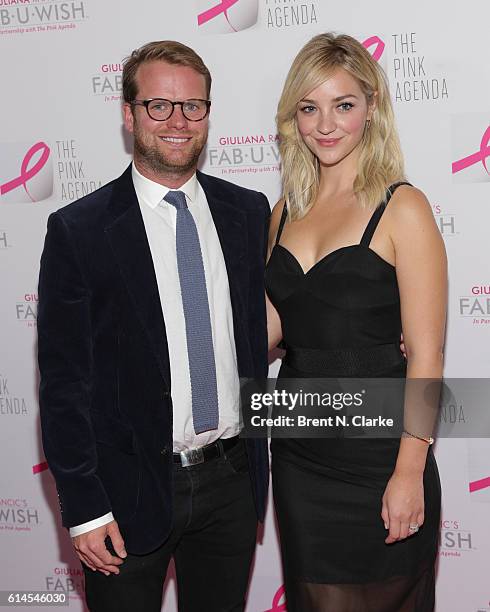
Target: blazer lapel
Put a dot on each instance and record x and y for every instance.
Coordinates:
(127, 237)
(231, 226)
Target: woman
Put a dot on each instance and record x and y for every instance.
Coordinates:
(355, 257)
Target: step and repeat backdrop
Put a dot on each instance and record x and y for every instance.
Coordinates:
(62, 137)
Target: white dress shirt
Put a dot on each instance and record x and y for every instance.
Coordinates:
(160, 218)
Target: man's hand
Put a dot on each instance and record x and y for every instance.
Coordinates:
(92, 551)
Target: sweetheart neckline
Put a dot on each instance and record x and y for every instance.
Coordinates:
(325, 257)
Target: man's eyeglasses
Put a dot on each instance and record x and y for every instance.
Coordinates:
(160, 109)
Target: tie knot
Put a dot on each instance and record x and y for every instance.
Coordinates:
(176, 198)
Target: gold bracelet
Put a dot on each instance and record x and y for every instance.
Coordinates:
(428, 441)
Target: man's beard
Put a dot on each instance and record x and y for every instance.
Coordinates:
(153, 158)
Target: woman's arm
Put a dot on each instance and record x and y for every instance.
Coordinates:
(421, 269)
(274, 331)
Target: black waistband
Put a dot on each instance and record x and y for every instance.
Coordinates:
(205, 453)
(363, 362)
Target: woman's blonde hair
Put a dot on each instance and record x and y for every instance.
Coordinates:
(380, 158)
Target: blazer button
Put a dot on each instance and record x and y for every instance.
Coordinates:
(164, 451)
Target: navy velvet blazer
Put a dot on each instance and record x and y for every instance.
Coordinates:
(105, 387)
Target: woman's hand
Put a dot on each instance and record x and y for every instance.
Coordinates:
(403, 505)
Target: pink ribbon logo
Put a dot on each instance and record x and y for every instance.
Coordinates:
(39, 467)
(276, 605)
(478, 485)
(26, 173)
(378, 44)
(214, 11)
(474, 158)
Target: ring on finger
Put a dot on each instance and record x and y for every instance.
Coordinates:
(413, 527)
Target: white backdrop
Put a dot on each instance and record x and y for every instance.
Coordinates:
(61, 137)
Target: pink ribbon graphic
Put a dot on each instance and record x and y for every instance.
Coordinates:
(40, 467)
(380, 46)
(480, 155)
(478, 485)
(276, 606)
(214, 11)
(26, 173)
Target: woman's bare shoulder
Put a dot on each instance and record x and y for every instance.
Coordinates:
(409, 203)
(411, 223)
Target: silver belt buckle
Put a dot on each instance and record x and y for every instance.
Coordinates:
(191, 457)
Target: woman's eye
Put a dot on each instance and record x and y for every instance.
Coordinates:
(307, 109)
(345, 106)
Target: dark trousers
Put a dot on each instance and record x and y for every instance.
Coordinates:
(212, 543)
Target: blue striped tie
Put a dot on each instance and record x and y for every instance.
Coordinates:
(198, 330)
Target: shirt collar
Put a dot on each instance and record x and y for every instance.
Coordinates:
(152, 193)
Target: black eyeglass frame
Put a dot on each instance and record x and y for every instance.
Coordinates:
(180, 103)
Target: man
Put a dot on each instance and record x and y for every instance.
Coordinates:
(151, 305)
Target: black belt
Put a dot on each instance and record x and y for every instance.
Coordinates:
(205, 453)
(349, 362)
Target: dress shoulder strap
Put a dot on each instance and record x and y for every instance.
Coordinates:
(378, 213)
(282, 222)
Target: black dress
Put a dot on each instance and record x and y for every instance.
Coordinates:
(342, 318)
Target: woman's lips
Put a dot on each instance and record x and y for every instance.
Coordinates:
(328, 142)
